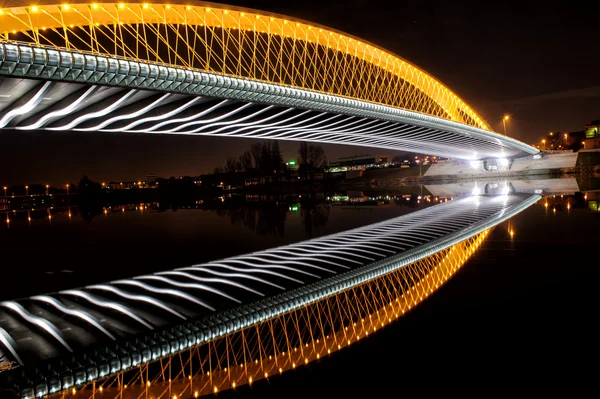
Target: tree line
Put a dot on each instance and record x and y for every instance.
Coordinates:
(266, 158)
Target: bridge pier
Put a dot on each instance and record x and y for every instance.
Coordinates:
(543, 164)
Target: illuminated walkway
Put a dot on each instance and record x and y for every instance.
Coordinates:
(235, 320)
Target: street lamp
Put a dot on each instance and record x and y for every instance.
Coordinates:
(5, 188)
(506, 117)
(544, 143)
(47, 187)
(67, 189)
(26, 190)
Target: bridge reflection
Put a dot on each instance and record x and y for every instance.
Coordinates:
(292, 339)
(214, 326)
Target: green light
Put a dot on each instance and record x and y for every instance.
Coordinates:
(292, 163)
(295, 208)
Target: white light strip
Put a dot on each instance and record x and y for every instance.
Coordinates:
(259, 266)
(139, 298)
(310, 127)
(38, 321)
(8, 343)
(252, 128)
(111, 305)
(230, 275)
(128, 116)
(213, 121)
(262, 257)
(342, 246)
(96, 114)
(61, 112)
(240, 269)
(250, 125)
(311, 255)
(158, 117)
(218, 280)
(164, 291)
(189, 118)
(188, 285)
(27, 107)
(77, 313)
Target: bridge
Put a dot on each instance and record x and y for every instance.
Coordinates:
(214, 70)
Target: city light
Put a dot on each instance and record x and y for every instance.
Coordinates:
(506, 117)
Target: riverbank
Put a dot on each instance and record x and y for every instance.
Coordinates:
(580, 165)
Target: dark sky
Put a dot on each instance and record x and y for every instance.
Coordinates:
(536, 61)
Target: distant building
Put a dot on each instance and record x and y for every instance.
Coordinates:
(357, 162)
(592, 135)
(292, 165)
(124, 185)
(361, 160)
(593, 201)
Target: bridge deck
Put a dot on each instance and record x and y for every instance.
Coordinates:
(71, 90)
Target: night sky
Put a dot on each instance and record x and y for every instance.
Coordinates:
(539, 62)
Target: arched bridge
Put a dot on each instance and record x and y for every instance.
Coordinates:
(209, 69)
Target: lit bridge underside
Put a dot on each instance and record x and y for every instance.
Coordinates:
(167, 69)
(214, 326)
